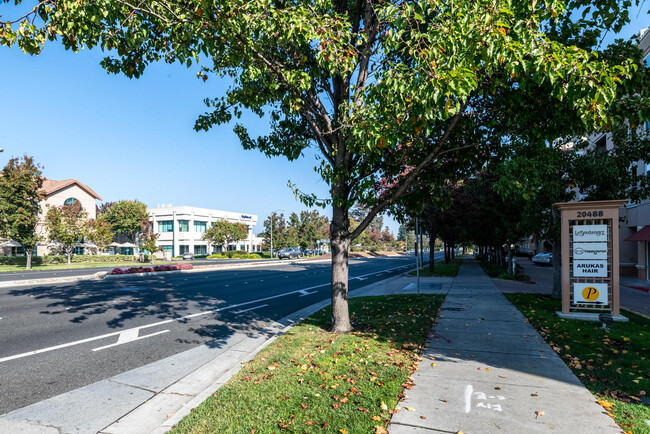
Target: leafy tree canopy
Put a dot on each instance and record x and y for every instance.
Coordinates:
(20, 193)
(126, 216)
(384, 89)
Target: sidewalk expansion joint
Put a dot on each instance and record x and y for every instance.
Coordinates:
(135, 387)
(421, 427)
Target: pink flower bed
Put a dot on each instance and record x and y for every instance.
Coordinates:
(133, 270)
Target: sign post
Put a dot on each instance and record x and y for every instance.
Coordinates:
(590, 259)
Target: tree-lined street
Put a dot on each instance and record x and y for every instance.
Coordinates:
(55, 338)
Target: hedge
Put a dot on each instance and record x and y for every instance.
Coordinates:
(63, 259)
(240, 254)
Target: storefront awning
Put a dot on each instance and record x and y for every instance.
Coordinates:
(641, 235)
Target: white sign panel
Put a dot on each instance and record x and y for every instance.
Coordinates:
(590, 251)
(582, 268)
(589, 233)
(590, 293)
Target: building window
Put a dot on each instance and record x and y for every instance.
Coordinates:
(169, 249)
(200, 227)
(200, 250)
(183, 225)
(242, 247)
(70, 201)
(166, 226)
(601, 144)
(79, 250)
(183, 248)
(126, 250)
(217, 249)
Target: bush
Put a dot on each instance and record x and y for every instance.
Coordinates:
(20, 260)
(239, 254)
(170, 267)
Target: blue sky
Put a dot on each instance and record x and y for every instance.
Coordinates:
(133, 139)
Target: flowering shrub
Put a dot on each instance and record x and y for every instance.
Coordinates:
(171, 267)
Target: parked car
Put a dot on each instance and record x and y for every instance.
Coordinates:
(309, 252)
(543, 259)
(290, 252)
(188, 256)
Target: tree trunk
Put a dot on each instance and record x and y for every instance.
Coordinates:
(452, 249)
(68, 253)
(510, 253)
(339, 230)
(28, 264)
(557, 270)
(432, 243)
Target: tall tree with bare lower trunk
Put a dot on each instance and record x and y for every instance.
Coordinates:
(20, 194)
(379, 87)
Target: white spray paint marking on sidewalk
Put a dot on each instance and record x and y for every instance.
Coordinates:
(469, 390)
(168, 321)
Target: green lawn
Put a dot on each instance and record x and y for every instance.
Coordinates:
(441, 269)
(54, 267)
(313, 381)
(614, 364)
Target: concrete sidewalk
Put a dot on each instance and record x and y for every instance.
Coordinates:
(487, 370)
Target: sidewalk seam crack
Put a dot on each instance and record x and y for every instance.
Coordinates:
(135, 387)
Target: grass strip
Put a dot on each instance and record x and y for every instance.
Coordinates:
(312, 381)
(614, 364)
(441, 269)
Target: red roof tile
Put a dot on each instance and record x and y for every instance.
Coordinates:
(51, 186)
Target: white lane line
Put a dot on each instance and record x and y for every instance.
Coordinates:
(183, 318)
(121, 341)
(305, 293)
(251, 308)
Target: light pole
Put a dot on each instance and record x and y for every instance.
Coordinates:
(272, 214)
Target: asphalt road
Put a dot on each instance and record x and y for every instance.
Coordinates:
(48, 274)
(56, 338)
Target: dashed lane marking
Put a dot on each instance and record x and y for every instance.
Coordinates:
(168, 321)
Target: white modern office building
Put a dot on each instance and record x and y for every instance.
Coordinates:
(182, 227)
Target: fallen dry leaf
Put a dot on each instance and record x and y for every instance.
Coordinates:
(410, 408)
(497, 388)
(376, 418)
(606, 404)
(423, 417)
(303, 405)
(533, 394)
(380, 430)
(539, 413)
